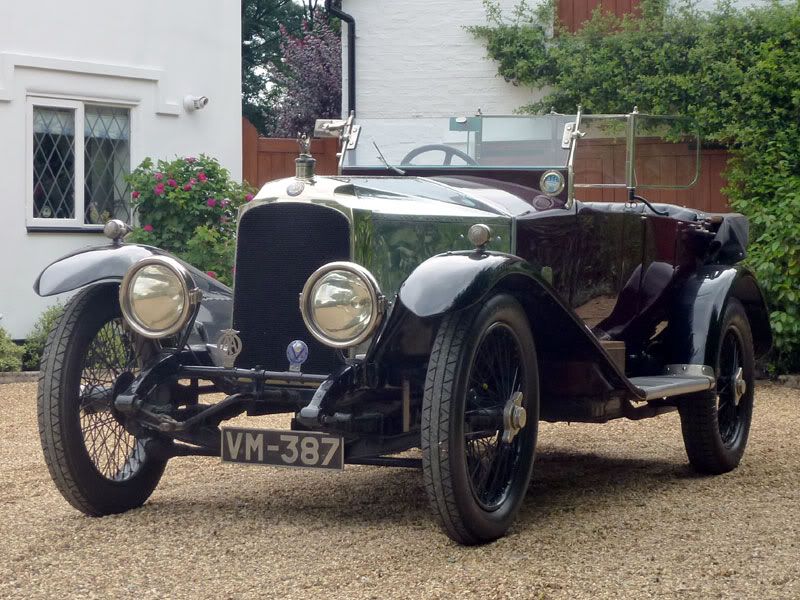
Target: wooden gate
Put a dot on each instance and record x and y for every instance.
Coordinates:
(265, 159)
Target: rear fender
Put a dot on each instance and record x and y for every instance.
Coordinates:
(695, 322)
(109, 263)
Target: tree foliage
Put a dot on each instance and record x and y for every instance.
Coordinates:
(736, 72)
(262, 21)
(311, 78)
(291, 65)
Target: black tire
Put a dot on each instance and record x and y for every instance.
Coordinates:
(716, 425)
(454, 470)
(95, 463)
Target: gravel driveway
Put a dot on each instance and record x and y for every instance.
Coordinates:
(613, 512)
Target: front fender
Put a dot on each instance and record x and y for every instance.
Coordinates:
(109, 263)
(695, 322)
(96, 264)
(456, 280)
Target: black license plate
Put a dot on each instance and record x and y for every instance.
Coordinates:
(306, 449)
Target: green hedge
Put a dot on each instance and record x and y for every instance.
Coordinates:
(34, 344)
(10, 353)
(736, 72)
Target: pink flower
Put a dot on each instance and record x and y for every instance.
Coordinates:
(191, 159)
(159, 176)
(248, 197)
(193, 181)
(135, 194)
(202, 176)
(211, 202)
(187, 187)
(158, 189)
(148, 228)
(225, 202)
(212, 274)
(172, 183)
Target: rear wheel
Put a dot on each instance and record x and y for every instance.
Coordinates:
(479, 420)
(96, 464)
(716, 425)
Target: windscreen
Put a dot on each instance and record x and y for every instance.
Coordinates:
(601, 151)
(667, 154)
(515, 141)
(663, 149)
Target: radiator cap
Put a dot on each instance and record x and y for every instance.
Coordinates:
(305, 163)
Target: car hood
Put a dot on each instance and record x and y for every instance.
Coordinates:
(456, 196)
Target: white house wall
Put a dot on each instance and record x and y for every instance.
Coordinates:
(147, 55)
(415, 58)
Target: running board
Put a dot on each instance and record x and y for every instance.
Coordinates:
(676, 381)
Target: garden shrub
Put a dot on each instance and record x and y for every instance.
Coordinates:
(10, 353)
(735, 72)
(189, 207)
(34, 344)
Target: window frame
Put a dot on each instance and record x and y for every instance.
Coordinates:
(76, 223)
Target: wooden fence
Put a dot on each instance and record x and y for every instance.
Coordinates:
(265, 159)
(572, 13)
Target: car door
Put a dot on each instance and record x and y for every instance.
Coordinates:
(608, 262)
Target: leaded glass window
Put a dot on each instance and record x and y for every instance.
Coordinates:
(78, 180)
(53, 163)
(107, 159)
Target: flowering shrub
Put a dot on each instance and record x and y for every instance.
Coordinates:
(189, 207)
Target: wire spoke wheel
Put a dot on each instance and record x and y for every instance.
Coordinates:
(480, 414)
(494, 377)
(97, 464)
(115, 453)
(729, 387)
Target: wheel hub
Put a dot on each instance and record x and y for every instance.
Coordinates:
(514, 417)
(739, 384)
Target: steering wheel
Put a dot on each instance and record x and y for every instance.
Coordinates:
(449, 153)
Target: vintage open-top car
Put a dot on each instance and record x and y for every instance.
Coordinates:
(446, 297)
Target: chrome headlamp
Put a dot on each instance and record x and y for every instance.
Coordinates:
(342, 304)
(158, 296)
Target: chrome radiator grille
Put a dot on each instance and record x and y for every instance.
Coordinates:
(279, 245)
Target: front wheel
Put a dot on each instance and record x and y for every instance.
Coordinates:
(96, 464)
(480, 416)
